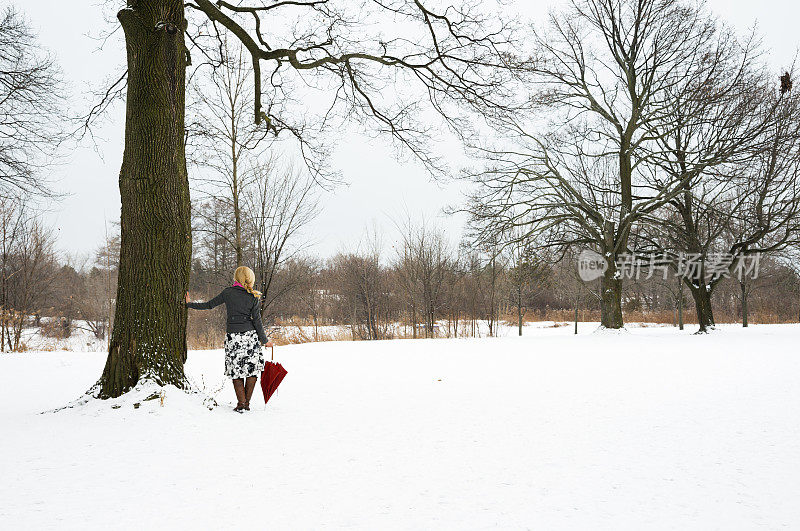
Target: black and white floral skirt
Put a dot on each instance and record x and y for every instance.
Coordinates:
(243, 355)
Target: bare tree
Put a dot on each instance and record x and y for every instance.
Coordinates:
(31, 108)
(27, 268)
(742, 205)
(527, 274)
(311, 295)
(364, 291)
(721, 115)
(454, 56)
(279, 204)
(222, 133)
(213, 227)
(608, 72)
(422, 265)
(94, 302)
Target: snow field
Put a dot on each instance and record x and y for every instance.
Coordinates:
(653, 429)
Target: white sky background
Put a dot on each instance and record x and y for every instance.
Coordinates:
(380, 190)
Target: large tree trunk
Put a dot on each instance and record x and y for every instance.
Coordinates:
(149, 336)
(611, 298)
(611, 281)
(702, 303)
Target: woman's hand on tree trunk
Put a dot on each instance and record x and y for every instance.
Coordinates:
(187, 296)
(268, 344)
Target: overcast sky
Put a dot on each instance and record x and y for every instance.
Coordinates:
(380, 190)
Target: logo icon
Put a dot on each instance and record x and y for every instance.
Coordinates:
(591, 265)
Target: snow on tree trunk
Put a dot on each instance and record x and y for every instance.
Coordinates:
(702, 302)
(611, 297)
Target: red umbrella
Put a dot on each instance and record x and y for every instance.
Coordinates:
(272, 377)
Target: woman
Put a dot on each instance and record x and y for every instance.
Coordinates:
(244, 358)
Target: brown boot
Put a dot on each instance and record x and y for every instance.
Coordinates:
(238, 386)
(249, 385)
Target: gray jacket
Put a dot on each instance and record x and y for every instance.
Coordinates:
(244, 311)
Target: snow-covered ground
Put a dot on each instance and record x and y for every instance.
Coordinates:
(650, 429)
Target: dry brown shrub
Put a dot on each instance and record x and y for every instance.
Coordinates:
(207, 334)
(56, 327)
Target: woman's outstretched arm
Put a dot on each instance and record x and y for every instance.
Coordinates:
(216, 301)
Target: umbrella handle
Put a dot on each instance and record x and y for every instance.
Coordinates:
(272, 355)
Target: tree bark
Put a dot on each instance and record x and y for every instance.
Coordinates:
(702, 302)
(149, 335)
(611, 281)
(611, 298)
(744, 304)
(576, 318)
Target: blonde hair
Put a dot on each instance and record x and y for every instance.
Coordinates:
(245, 276)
